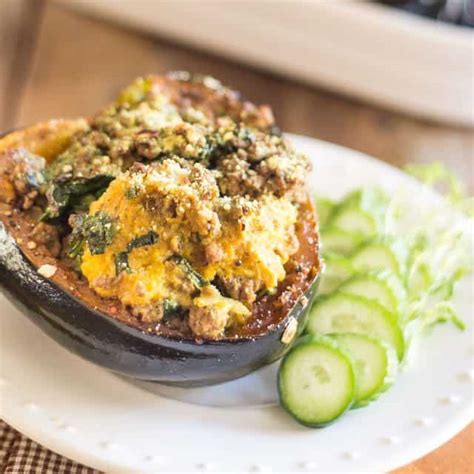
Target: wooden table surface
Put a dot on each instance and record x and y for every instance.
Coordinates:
(57, 63)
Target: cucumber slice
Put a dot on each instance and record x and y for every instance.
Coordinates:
(342, 312)
(316, 381)
(384, 288)
(375, 365)
(373, 200)
(335, 240)
(361, 212)
(355, 220)
(380, 255)
(324, 209)
(337, 269)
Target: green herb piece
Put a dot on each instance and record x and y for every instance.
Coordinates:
(97, 230)
(148, 239)
(76, 246)
(196, 278)
(82, 204)
(121, 259)
(121, 262)
(170, 307)
(69, 194)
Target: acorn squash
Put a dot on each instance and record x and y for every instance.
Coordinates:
(169, 238)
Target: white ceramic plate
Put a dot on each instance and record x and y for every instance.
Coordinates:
(117, 425)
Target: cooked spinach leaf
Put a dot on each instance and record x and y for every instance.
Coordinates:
(170, 307)
(83, 202)
(196, 278)
(121, 262)
(64, 195)
(97, 230)
(148, 239)
(121, 259)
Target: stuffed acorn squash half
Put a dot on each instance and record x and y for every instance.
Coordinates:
(169, 238)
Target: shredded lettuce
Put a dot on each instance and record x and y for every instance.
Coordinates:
(440, 243)
(437, 176)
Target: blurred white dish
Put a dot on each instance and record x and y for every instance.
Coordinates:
(117, 425)
(373, 52)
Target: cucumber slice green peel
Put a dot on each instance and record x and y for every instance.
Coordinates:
(339, 241)
(324, 209)
(361, 212)
(385, 288)
(381, 255)
(336, 270)
(355, 221)
(343, 312)
(375, 364)
(316, 381)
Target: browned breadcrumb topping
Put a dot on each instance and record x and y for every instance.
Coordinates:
(149, 122)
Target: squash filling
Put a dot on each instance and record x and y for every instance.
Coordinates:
(177, 205)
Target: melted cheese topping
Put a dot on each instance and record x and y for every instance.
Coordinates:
(219, 236)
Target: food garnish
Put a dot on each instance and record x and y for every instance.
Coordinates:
(387, 279)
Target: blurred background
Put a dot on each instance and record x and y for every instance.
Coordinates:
(390, 78)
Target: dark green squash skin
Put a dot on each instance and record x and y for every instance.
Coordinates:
(127, 350)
